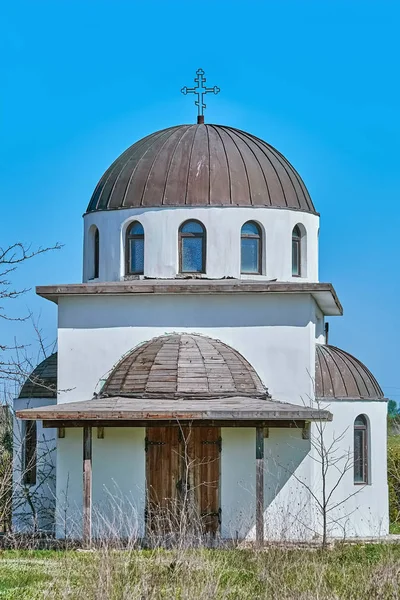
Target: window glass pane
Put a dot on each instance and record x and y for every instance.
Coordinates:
(192, 255)
(295, 257)
(296, 232)
(192, 227)
(250, 255)
(96, 254)
(29, 462)
(359, 457)
(136, 229)
(136, 255)
(360, 421)
(250, 229)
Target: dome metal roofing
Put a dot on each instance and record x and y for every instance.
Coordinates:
(42, 382)
(201, 165)
(183, 365)
(340, 375)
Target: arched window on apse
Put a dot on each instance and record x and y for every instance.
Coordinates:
(298, 251)
(192, 247)
(135, 249)
(251, 248)
(361, 450)
(96, 254)
(29, 452)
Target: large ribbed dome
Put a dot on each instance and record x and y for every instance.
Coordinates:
(201, 165)
(179, 365)
(341, 375)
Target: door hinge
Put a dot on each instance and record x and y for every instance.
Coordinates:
(148, 443)
(218, 442)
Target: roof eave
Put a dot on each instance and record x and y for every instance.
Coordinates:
(223, 409)
(323, 293)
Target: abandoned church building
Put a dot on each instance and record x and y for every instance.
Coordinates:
(193, 373)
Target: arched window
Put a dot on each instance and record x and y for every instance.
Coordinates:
(29, 450)
(135, 249)
(296, 252)
(250, 248)
(96, 254)
(361, 450)
(192, 247)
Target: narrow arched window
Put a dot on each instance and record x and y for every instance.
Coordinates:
(296, 252)
(192, 247)
(96, 254)
(250, 248)
(29, 450)
(135, 249)
(361, 450)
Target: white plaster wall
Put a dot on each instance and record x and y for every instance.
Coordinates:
(42, 493)
(118, 480)
(275, 333)
(287, 477)
(223, 225)
(360, 510)
(238, 470)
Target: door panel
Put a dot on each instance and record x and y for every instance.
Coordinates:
(182, 470)
(162, 475)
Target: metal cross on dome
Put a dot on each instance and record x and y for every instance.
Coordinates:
(200, 90)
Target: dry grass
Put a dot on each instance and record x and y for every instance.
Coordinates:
(351, 572)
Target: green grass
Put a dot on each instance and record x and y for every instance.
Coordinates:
(346, 572)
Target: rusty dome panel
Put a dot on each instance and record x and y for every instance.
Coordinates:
(201, 165)
(183, 365)
(340, 375)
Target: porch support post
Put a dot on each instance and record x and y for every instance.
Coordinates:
(259, 485)
(87, 484)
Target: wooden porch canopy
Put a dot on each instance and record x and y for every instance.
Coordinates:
(135, 412)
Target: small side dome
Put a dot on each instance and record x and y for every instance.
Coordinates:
(341, 375)
(42, 382)
(182, 365)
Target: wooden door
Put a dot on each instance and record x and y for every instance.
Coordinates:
(182, 471)
(162, 476)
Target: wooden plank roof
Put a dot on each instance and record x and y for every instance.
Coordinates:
(183, 364)
(146, 409)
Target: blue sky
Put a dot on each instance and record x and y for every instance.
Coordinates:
(82, 80)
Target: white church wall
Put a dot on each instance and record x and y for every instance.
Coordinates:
(42, 493)
(118, 483)
(223, 225)
(287, 479)
(238, 470)
(69, 484)
(273, 332)
(363, 509)
(287, 502)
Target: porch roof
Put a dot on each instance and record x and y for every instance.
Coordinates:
(118, 408)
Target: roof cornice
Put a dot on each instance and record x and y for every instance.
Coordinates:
(323, 293)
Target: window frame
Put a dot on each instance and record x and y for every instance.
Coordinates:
(96, 254)
(258, 237)
(29, 461)
(365, 450)
(296, 238)
(202, 236)
(129, 237)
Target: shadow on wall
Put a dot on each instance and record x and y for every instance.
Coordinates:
(175, 311)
